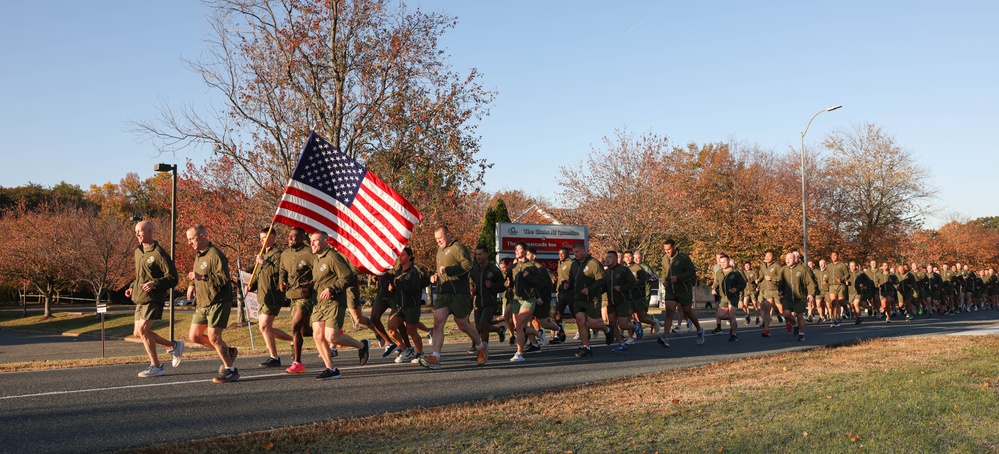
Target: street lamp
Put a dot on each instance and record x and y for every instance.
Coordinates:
(173, 226)
(804, 216)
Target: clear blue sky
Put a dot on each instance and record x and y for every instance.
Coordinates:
(567, 74)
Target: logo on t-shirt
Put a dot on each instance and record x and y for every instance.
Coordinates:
(322, 268)
(150, 260)
(204, 265)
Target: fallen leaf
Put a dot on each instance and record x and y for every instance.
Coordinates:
(805, 433)
(853, 437)
(268, 445)
(676, 401)
(987, 385)
(721, 449)
(955, 406)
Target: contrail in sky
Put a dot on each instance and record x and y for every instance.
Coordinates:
(636, 25)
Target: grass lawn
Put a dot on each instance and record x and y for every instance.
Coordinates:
(926, 394)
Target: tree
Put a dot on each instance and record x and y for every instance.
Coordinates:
(31, 196)
(39, 249)
(368, 75)
(991, 222)
(502, 215)
(619, 192)
(103, 258)
(487, 236)
(879, 189)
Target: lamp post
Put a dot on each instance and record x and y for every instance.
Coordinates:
(804, 215)
(173, 226)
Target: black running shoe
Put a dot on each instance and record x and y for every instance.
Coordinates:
(858, 321)
(329, 374)
(388, 350)
(609, 336)
(533, 348)
(795, 330)
(364, 352)
(733, 338)
(271, 362)
(472, 350)
(227, 376)
(584, 352)
(717, 330)
(502, 333)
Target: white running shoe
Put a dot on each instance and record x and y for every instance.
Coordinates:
(177, 353)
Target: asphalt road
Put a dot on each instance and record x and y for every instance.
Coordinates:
(106, 408)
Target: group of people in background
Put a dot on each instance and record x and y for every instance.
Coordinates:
(514, 297)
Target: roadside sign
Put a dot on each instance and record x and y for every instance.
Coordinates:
(102, 308)
(250, 298)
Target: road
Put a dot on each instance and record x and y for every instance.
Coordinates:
(106, 408)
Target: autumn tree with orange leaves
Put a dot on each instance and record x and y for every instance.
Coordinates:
(367, 75)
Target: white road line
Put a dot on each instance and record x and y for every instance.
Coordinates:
(187, 382)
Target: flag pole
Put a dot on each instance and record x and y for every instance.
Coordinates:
(245, 309)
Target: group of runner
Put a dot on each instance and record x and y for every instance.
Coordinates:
(610, 296)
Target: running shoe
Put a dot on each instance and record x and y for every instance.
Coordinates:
(765, 333)
(836, 323)
(757, 320)
(561, 333)
(717, 330)
(575, 337)
(406, 355)
(858, 321)
(471, 350)
(801, 337)
(416, 359)
(430, 362)
(533, 348)
(152, 371)
(513, 340)
(271, 362)
(295, 368)
(700, 336)
(620, 348)
(609, 336)
(364, 352)
(381, 342)
(481, 355)
(329, 374)
(908, 318)
(542, 337)
(584, 352)
(629, 341)
(780, 318)
(517, 358)
(664, 341)
(177, 353)
(733, 338)
(389, 349)
(639, 331)
(796, 331)
(748, 319)
(675, 330)
(654, 328)
(789, 326)
(333, 353)
(227, 376)
(502, 333)
(690, 326)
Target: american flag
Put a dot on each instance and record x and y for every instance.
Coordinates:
(368, 222)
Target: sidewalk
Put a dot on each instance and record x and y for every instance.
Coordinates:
(21, 346)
